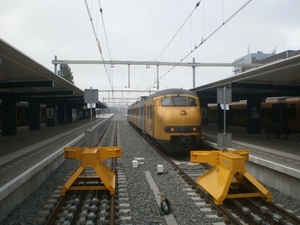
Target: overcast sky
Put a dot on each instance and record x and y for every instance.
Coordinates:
(139, 30)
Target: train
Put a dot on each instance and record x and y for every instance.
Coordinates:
(171, 117)
(277, 109)
(23, 113)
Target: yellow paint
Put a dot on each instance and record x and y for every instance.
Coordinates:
(228, 170)
(92, 157)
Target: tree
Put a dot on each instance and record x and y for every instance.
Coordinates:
(65, 72)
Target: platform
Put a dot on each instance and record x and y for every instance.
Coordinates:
(22, 156)
(274, 162)
(260, 145)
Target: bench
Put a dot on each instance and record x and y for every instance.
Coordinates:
(278, 129)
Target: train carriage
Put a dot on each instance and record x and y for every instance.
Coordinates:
(278, 109)
(22, 116)
(172, 117)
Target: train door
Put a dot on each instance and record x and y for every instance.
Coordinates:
(145, 116)
(142, 116)
(149, 118)
(155, 110)
(136, 115)
(279, 113)
(293, 115)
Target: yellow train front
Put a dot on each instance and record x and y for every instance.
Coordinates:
(172, 117)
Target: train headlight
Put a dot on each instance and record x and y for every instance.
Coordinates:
(195, 129)
(170, 129)
(182, 112)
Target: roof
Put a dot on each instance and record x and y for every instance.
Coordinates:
(25, 78)
(171, 91)
(280, 78)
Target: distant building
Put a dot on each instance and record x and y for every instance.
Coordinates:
(280, 56)
(249, 59)
(262, 58)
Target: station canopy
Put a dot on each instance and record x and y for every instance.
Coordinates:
(274, 79)
(26, 79)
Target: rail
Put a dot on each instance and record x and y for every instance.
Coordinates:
(51, 218)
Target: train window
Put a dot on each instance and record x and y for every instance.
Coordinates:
(232, 112)
(191, 102)
(179, 101)
(212, 112)
(269, 113)
(263, 113)
(141, 111)
(151, 112)
(244, 112)
(147, 111)
(165, 102)
(292, 113)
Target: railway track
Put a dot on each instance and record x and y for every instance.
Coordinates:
(85, 207)
(235, 211)
(92, 207)
(239, 211)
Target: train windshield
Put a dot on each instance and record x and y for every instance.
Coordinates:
(166, 102)
(178, 101)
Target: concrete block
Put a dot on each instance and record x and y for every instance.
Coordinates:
(160, 168)
(135, 163)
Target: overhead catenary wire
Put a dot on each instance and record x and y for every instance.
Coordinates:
(178, 31)
(180, 28)
(164, 49)
(202, 41)
(104, 28)
(98, 43)
(218, 28)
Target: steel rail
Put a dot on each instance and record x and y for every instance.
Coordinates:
(285, 214)
(113, 166)
(221, 209)
(52, 216)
